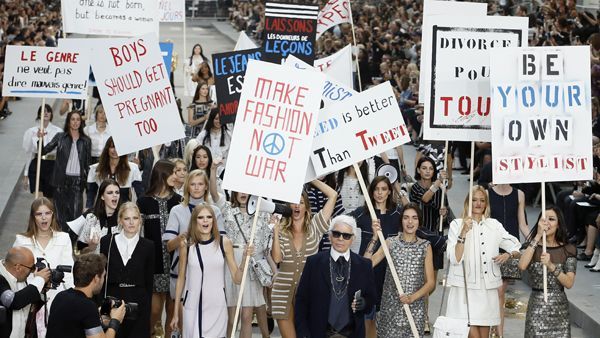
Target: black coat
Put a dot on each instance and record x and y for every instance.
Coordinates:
(63, 142)
(22, 298)
(311, 311)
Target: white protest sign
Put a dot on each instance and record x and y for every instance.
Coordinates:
(338, 66)
(334, 13)
(110, 17)
(333, 92)
(244, 42)
(274, 129)
(136, 93)
(50, 72)
(448, 8)
(458, 104)
(171, 10)
(366, 124)
(541, 129)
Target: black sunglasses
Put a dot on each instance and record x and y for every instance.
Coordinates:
(337, 234)
(31, 268)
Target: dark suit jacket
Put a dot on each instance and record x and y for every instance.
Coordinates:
(314, 291)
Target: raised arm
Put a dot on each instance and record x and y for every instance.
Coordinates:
(331, 194)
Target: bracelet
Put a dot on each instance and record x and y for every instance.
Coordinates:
(461, 240)
(114, 324)
(533, 244)
(556, 272)
(373, 241)
(433, 188)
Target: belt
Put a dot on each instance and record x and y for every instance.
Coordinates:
(125, 285)
(49, 157)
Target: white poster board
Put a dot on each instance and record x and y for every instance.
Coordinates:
(338, 66)
(366, 124)
(274, 129)
(448, 8)
(50, 72)
(110, 17)
(171, 10)
(136, 93)
(541, 118)
(458, 103)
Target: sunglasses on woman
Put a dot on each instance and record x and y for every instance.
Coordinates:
(336, 234)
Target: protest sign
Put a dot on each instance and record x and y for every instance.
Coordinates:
(51, 72)
(448, 8)
(110, 17)
(166, 51)
(366, 124)
(136, 93)
(274, 130)
(82, 44)
(229, 69)
(338, 66)
(334, 13)
(244, 42)
(290, 29)
(171, 10)
(541, 116)
(458, 103)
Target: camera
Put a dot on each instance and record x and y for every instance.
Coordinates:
(57, 275)
(131, 309)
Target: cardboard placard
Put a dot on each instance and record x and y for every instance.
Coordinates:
(338, 66)
(541, 115)
(290, 29)
(171, 10)
(274, 130)
(136, 93)
(51, 72)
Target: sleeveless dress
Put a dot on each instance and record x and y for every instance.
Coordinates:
(409, 261)
(205, 313)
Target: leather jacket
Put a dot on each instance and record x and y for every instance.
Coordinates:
(62, 142)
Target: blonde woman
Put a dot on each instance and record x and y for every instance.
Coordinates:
(294, 239)
(477, 239)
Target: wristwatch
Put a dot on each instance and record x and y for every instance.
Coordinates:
(461, 240)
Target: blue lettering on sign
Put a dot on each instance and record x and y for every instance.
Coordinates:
(289, 47)
(234, 64)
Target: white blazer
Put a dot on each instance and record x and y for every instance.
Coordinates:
(482, 244)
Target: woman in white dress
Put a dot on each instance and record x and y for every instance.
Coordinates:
(204, 313)
(476, 240)
(191, 68)
(44, 238)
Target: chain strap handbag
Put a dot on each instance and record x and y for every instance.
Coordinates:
(446, 327)
(262, 268)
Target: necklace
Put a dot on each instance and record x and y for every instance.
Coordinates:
(339, 290)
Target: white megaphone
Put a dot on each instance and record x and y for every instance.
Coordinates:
(388, 171)
(267, 206)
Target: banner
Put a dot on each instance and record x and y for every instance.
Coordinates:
(274, 130)
(110, 17)
(334, 13)
(171, 10)
(166, 51)
(229, 69)
(541, 116)
(458, 103)
(51, 72)
(290, 29)
(448, 8)
(366, 124)
(244, 42)
(338, 66)
(136, 93)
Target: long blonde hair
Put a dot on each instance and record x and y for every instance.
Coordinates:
(193, 226)
(186, 185)
(286, 223)
(477, 188)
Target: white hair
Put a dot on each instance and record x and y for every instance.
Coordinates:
(345, 220)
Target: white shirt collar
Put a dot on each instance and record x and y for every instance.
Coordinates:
(335, 255)
(126, 246)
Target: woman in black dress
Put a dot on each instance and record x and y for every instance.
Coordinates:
(130, 269)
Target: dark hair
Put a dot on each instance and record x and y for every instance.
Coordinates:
(103, 169)
(100, 205)
(426, 159)
(210, 123)
(389, 202)
(193, 165)
(197, 92)
(47, 108)
(67, 130)
(561, 231)
(86, 267)
(233, 199)
(158, 179)
(199, 74)
(201, 53)
(416, 208)
(35, 205)
(364, 171)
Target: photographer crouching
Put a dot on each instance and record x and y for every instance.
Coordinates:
(16, 296)
(74, 313)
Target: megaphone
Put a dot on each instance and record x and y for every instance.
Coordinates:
(388, 171)
(267, 206)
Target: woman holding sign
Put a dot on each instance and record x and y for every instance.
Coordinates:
(294, 239)
(549, 319)
(473, 246)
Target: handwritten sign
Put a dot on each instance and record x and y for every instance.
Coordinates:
(110, 17)
(136, 93)
(274, 129)
(459, 102)
(290, 29)
(229, 69)
(541, 114)
(46, 72)
(363, 125)
(171, 10)
(334, 13)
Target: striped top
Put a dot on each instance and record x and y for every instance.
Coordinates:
(290, 268)
(431, 209)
